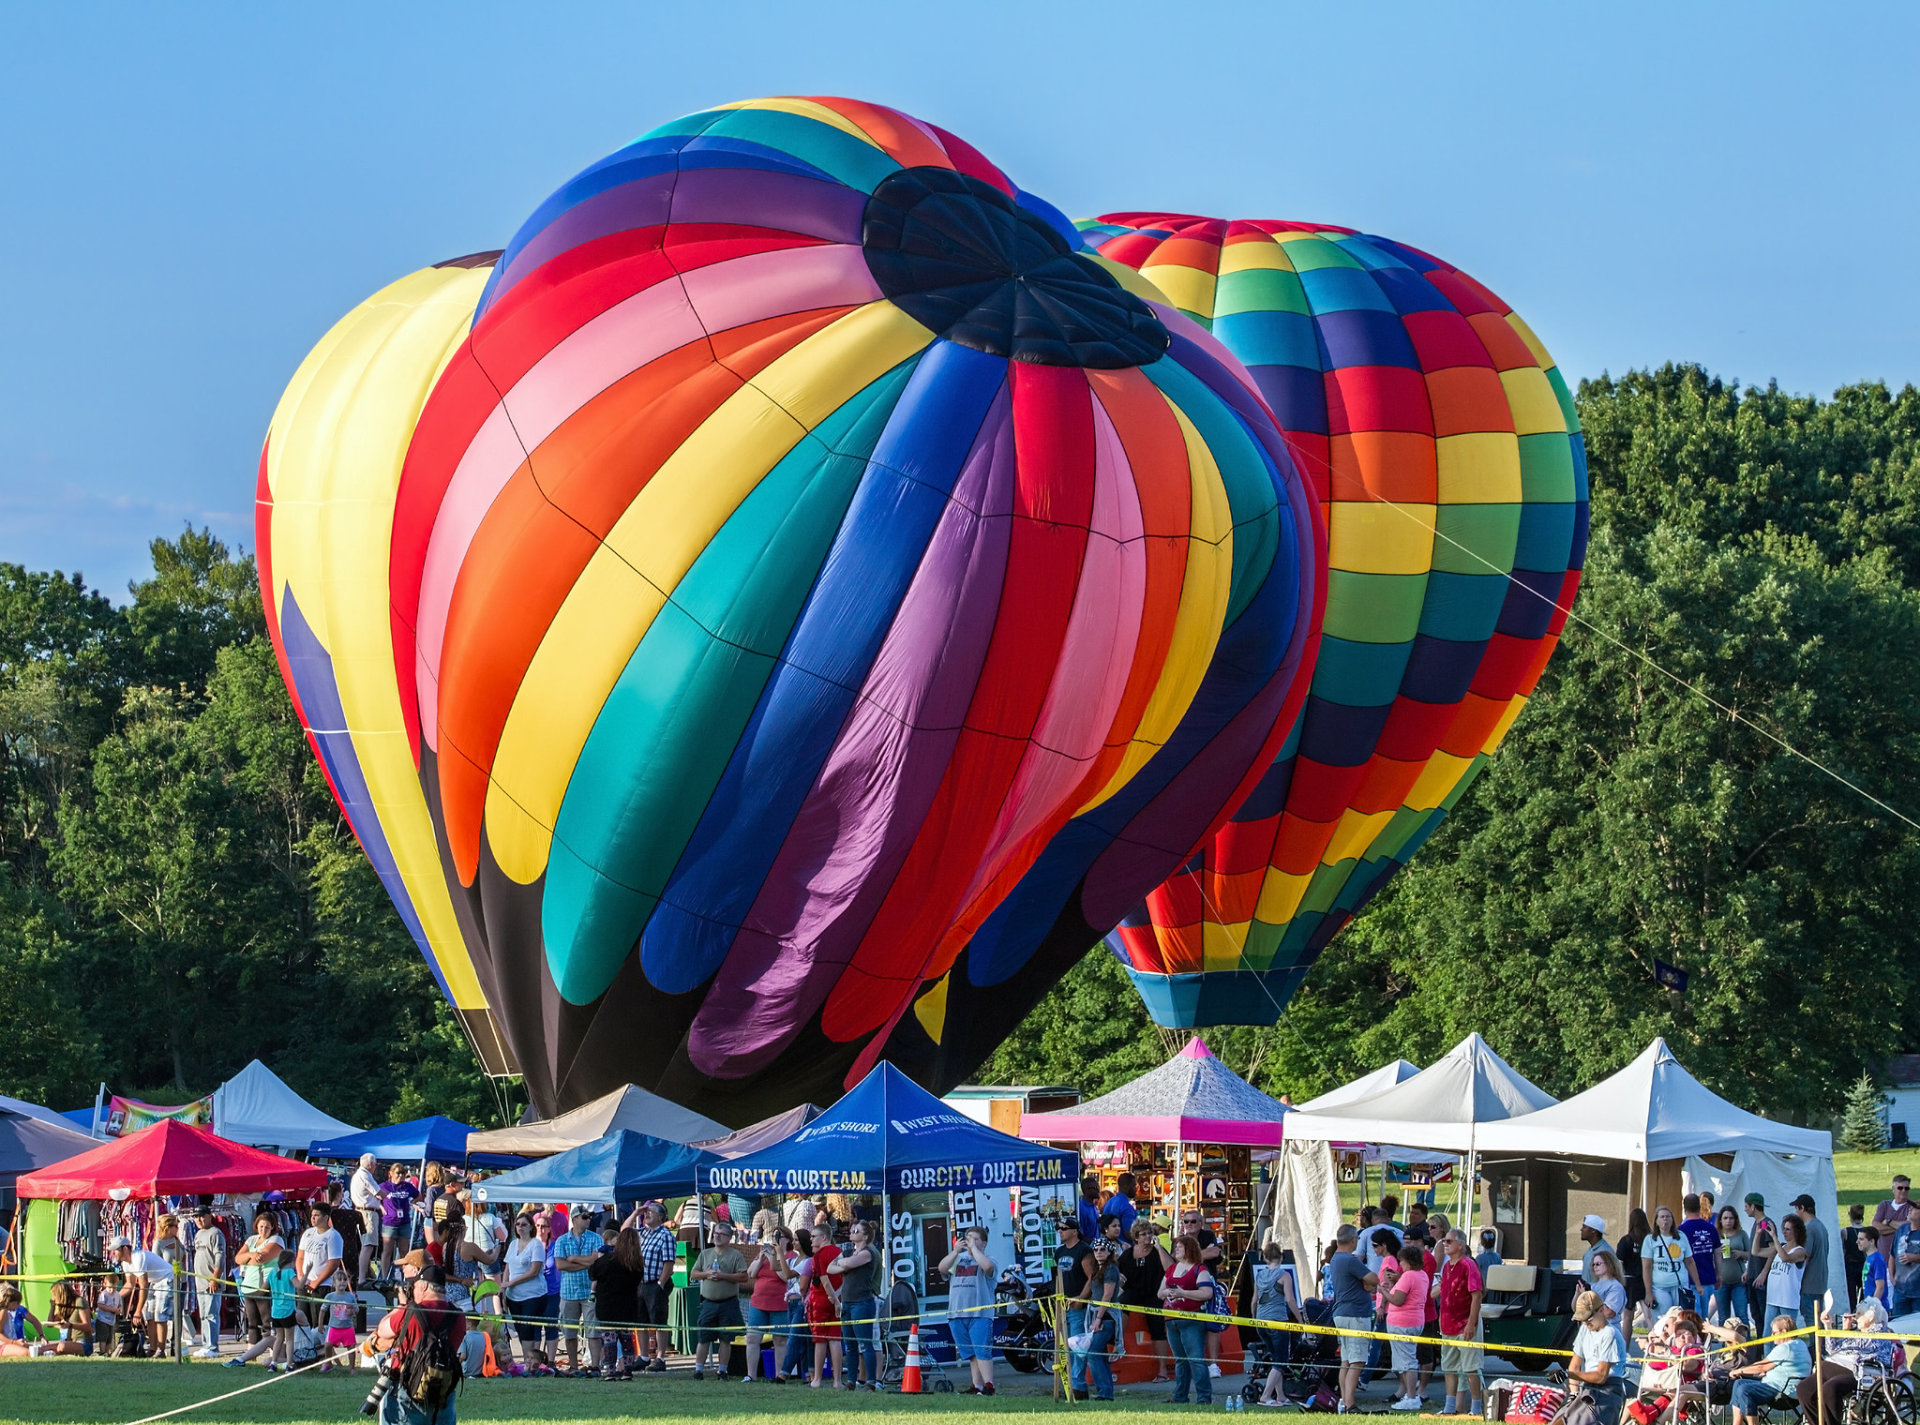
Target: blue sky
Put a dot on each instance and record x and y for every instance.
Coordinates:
(193, 193)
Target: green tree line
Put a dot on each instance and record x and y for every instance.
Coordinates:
(1764, 548)
(181, 894)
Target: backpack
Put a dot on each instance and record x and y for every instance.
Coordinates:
(1217, 1308)
(430, 1372)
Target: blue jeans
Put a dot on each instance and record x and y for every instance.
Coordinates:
(799, 1353)
(1730, 1302)
(1188, 1340)
(1901, 1303)
(1750, 1395)
(208, 1300)
(1097, 1359)
(398, 1409)
(859, 1330)
(1077, 1364)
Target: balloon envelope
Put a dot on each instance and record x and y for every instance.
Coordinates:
(1444, 447)
(710, 607)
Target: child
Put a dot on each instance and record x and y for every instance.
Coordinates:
(106, 1314)
(342, 1307)
(1873, 1269)
(284, 1284)
(21, 1333)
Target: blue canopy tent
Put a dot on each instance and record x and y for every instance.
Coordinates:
(622, 1167)
(421, 1140)
(890, 1135)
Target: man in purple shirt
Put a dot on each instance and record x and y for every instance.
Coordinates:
(1703, 1238)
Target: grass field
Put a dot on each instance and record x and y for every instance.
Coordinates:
(1863, 1177)
(118, 1392)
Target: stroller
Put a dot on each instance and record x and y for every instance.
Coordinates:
(1309, 1363)
(903, 1314)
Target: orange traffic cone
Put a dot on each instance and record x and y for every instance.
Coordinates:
(910, 1377)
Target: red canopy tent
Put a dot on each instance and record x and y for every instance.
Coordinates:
(169, 1157)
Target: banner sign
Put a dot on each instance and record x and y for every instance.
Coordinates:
(1670, 977)
(129, 1115)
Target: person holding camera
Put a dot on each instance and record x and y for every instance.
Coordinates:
(420, 1370)
(970, 1274)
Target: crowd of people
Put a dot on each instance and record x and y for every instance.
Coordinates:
(582, 1292)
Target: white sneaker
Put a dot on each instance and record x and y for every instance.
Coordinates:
(1407, 1402)
(1213, 1370)
(206, 1353)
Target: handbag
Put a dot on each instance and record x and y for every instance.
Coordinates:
(1581, 1408)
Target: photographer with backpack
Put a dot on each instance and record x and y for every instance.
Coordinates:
(422, 1371)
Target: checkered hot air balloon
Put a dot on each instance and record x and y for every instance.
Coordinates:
(1443, 446)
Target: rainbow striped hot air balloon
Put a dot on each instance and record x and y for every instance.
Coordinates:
(711, 608)
(1445, 449)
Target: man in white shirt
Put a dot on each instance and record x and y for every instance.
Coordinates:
(363, 1192)
(318, 1257)
(148, 1274)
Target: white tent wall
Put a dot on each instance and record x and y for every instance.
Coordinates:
(1779, 1178)
(1306, 1208)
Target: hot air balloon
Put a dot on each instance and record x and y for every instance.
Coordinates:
(710, 607)
(1444, 447)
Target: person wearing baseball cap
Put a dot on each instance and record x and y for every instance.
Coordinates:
(573, 1254)
(1593, 1231)
(1599, 1353)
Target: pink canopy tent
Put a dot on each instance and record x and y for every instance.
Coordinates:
(1192, 1098)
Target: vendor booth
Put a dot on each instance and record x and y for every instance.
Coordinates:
(419, 1140)
(122, 1187)
(631, 1108)
(925, 1171)
(1644, 1137)
(1187, 1131)
(1443, 1109)
(257, 1108)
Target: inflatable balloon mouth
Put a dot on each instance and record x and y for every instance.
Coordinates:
(790, 602)
(972, 266)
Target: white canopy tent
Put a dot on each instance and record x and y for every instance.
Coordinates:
(1648, 1112)
(1654, 1111)
(1442, 1107)
(631, 1108)
(1439, 1108)
(255, 1107)
(1366, 1086)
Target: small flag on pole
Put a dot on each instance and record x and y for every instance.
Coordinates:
(1671, 977)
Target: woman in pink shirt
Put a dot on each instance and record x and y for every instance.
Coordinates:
(1405, 1299)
